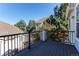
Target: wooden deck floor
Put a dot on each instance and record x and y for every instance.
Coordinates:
(49, 48)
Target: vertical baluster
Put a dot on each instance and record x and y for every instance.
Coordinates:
(17, 43)
(19, 46)
(67, 36)
(70, 42)
(4, 46)
(11, 46)
(14, 44)
(0, 49)
(69, 33)
(21, 42)
(72, 37)
(8, 45)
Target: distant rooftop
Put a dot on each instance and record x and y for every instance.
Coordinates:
(6, 29)
(41, 20)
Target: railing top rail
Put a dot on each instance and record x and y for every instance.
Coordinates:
(37, 31)
(59, 31)
(32, 32)
(17, 34)
(12, 34)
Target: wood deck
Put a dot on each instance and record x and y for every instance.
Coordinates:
(49, 48)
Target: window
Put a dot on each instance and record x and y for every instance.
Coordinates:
(77, 21)
(77, 13)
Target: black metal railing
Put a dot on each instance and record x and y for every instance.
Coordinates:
(11, 43)
(14, 43)
(63, 36)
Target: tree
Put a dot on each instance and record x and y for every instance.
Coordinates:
(21, 24)
(32, 24)
(58, 19)
(59, 16)
(56, 14)
(62, 10)
(47, 20)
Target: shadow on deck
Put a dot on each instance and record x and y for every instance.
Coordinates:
(49, 48)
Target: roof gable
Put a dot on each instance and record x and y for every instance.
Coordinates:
(6, 29)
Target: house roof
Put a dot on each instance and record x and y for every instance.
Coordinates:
(41, 20)
(6, 29)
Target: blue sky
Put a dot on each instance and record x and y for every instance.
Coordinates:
(12, 13)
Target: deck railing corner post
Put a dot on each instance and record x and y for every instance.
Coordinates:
(29, 41)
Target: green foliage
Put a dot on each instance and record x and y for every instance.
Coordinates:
(52, 20)
(62, 24)
(56, 13)
(62, 10)
(47, 28)
(48, 20)
(36, 35)
(32, 24)
(55, 22)
(21, 24)
(58, 21)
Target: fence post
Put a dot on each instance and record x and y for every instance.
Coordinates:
(29, 41)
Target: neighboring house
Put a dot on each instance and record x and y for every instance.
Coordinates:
(7, 29)
(42, 22)
(72, 16)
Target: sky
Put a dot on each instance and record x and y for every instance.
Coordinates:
(12, 12)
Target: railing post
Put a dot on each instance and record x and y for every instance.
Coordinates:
(29, 41)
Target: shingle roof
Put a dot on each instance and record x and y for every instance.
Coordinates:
(6, 29)
(42, 19)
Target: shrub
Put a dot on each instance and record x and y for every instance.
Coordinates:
(57, 35)
(36, 36)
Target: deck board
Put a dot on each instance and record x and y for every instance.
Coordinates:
(49, 48)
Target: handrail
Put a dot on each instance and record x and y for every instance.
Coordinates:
(29, 40)
(12, 34)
